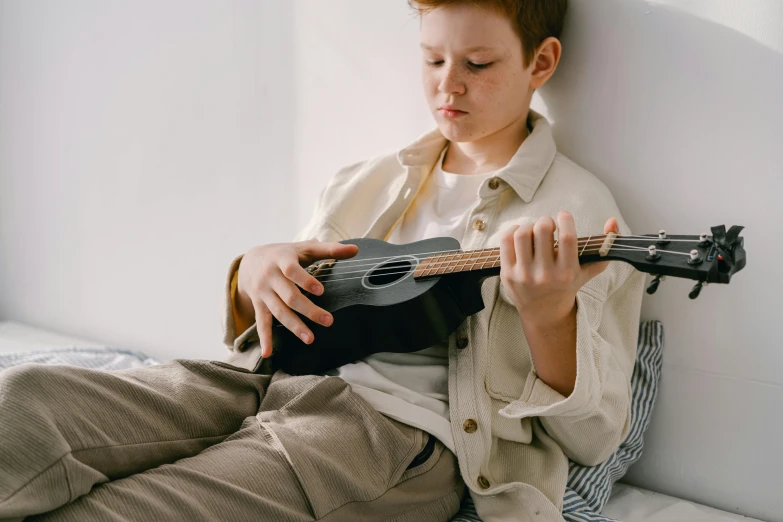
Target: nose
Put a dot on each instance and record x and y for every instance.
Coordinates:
(451, 81)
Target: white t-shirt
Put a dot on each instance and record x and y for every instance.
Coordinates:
(413, 387)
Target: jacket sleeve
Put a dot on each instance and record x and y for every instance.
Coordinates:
(230, 333)
(317, 228)
(590, 424)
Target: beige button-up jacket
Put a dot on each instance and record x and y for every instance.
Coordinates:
(515, 458)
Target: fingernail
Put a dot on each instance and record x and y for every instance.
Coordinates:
(317, 289)
(305, 337)
(326, 319)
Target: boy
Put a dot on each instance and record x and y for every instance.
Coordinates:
(542, 374)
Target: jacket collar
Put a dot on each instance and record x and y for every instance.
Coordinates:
(524, 171)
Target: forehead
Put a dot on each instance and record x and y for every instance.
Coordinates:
(467, 28)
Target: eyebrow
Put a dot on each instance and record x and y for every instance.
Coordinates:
(471, 50)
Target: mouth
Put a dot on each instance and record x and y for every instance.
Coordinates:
(451, 112)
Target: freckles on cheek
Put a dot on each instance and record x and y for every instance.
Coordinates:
(490, 90)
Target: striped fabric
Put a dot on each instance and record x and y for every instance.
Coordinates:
(95, 358)
(589, 488)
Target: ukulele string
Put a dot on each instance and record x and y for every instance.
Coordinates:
(492, 258)
(595, 242)
(580, 243)
(492, 255)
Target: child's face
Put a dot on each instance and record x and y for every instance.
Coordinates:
(473, 63)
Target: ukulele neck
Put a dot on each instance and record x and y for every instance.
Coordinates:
(486, 262)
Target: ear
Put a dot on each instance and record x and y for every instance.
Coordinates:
(545, 61)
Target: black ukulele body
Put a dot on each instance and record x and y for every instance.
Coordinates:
(378, 306)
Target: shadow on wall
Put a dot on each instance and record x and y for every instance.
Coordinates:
(665, 96)
(682, 118)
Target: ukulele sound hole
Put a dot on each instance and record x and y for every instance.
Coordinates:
(390, 272)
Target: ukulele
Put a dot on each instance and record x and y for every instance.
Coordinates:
(405, 298)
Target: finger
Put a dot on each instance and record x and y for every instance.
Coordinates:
(523, 245)
(295, 300)
(288, 318)
(567, 247)
(264, 327)
(310, 251)
(507, 255)
(590, 270)
(611, 226)
(294, 272)
(544, 241)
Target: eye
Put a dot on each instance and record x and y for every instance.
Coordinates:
(479, 65)
(434, 63)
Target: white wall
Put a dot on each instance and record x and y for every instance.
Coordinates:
(142, 146)
(681, 116)
(358, 89)
(679, 111)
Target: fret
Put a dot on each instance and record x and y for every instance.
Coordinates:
(431, 264)
(464, 258)
(442, 264)
(583, 248)
(457, 262)
(473, 266)
(479, 257)
(450, 264)
(489, 256)
(450, 261)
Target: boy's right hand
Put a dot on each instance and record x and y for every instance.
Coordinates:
(267, 286)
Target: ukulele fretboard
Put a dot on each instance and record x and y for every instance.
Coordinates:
(487, 258)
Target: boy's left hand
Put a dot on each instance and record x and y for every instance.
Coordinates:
(543, 281)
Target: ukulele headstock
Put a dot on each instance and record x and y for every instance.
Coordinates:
(704, 258)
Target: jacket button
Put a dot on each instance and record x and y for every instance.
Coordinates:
(470, 426)
(494, 183)
(462, 342)
(483, 482)
(479, 224)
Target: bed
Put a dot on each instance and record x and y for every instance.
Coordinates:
(627, 503)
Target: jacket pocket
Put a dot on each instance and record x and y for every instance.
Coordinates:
(425, 459)
(510, 360)
(516, 430)
(424, 454)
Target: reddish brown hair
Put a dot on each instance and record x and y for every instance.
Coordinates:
(533, 20)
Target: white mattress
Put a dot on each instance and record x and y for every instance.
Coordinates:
(632, 504)
(627, 503)
(18, 337)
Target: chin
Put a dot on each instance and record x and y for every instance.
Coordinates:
(459, 133)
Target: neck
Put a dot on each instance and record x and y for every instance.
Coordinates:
(487, 154)
(486, 262)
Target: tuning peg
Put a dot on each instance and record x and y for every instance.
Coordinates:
(695, 290)
(653, 286)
